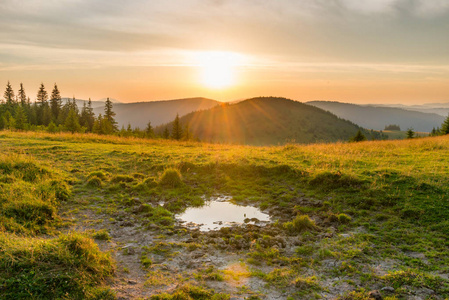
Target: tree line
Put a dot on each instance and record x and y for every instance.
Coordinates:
(49, 113)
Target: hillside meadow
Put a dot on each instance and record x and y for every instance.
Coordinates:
(95, 217)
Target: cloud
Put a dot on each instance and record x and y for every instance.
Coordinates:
(314, 30)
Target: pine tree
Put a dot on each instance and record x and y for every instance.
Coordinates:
(42, 95)
(187, 135)
(55, 102)
(87, 116)
(97, 125)
(71, 123)
(445, 126)
(149, 132)
(21, 118)
(176, 133)
(109, 114)
(166, 133)
(359, 137)
(410, 133)
(6, 121)
(43, 112)
(22, 96)
(9, 98)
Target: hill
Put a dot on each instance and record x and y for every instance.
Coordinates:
(158, 112)
(441, 109)
(377, 118)
(346, 218)
(267, 121)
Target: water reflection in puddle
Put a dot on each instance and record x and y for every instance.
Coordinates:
(219, 212)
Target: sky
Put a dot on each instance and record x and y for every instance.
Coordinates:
(359, 51)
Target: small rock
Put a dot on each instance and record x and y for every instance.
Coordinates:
(427, 291)
(388, 289)
(375, 295)
(130, 281)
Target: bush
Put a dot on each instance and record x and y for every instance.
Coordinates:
(94, 181)
(171, 178)
(344, 218)
(102, 235)
(300, 224)
(150, 182)
(62, 190)
(98, 174)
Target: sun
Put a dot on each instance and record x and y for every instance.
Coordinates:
(218, 69)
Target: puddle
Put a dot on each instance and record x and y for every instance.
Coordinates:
(218, 212)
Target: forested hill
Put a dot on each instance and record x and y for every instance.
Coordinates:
(158, 112)
(267, 121)
(377, 118)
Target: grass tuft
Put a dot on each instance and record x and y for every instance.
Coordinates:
(171, 178)
(299, 224)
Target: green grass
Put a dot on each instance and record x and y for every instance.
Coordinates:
(371, 202)
(68, 267)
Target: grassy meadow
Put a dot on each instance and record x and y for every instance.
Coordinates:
(85, 216)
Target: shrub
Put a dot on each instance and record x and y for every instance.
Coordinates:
(150, 182)
(171, 178)
(98, 174)
(344, 218)
(102, 235)
(299, 224)
(94, 181)
(62, 190)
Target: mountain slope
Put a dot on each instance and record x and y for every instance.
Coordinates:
(158, 112)
(378, 117)
(267, 121)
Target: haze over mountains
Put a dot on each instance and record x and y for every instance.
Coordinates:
(441, 109)
(158, 112)
(377, 118)
(267, 121)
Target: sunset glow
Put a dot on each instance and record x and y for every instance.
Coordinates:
(218, 69)
(389, 51)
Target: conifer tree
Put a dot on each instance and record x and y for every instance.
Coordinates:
(55, 102)
(43, 112)
(149, 132)
(6, 120)
(9, 98)
(42, 95)
(187, 135)
(21, 118)
(445, 126)
(22, 96)
(166, 133)
(87, 116)
(97, 125)
(410, 133)
(109, 114)
(176, 133)
(71, 123)
(359, 137)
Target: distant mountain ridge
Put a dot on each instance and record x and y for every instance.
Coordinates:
(441, 109)
(377, 117)
(267, 121)
(138, 114)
